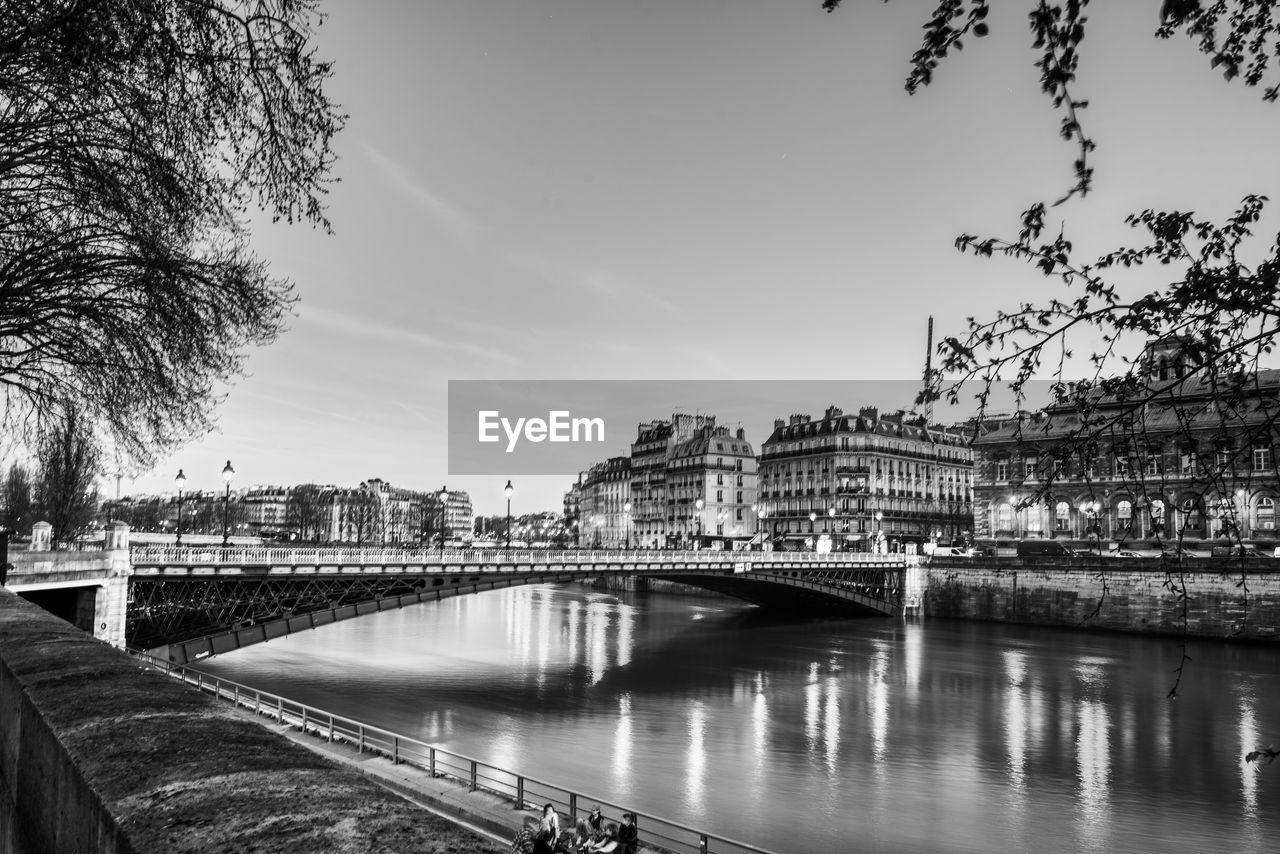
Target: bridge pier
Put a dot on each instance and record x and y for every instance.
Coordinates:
(90, 590)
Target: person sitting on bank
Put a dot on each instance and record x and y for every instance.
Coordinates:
(525, 836)
(548, 831)
(628, 835)
(605, 844)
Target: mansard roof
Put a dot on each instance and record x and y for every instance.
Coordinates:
(1194, 405)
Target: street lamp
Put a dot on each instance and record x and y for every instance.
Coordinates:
(180, 480)
(699, 504)
(227, 474)
(444, 496)
(507, 490)
(760, 515)
(626, 508)
(813, 517)
(831, 526)
(879, 517)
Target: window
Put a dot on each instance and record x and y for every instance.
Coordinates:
(1153, 464)
(1262, 459)
(1189, 511)
(1061, 516)
(1004, 517)
(1124, 512)
(739, 514)
(739, 496)
(1188, 460)
(1266, 514)
(1029, 466)
(1121, 466)
(1002, 469)
(1157, 513)
(719, 496)
(1222, 458)
(739, 480)
(719, 480)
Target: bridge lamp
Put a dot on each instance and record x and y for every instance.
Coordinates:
(761, 513)
(444, 496)
(228, 473)
(699, 504)
(507, 490)
(179, 481)
(626, 508)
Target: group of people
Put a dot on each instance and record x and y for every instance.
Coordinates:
(592, 835)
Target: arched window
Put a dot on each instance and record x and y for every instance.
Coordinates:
(1157, 513)
(1124, 511)
(1190, 514)
(1266, 514)
(1061, 516)
(1004, 517)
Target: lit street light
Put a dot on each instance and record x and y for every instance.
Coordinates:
(227, 474)
(813, 517)
(699, 504)
(507, 490)
(180, 480)
(626, 508)
(444, 496)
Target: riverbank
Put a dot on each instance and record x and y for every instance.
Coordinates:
(1235, 599)
(100, 754)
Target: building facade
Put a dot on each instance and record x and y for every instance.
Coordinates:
(604, 505)
(866, 482)
(710, 486)
(1195, 461)
(651, 452)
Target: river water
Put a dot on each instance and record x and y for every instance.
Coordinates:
(823, 734)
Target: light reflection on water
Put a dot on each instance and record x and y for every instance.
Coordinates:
(805, 735)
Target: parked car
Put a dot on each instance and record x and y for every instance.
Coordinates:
(1043, 548)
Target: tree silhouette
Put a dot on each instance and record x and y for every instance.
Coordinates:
(135, 135)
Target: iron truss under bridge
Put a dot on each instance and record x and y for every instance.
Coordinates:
(185, 604)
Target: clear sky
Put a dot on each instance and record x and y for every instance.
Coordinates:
(705, 189)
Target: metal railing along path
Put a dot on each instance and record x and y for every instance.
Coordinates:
(343, 556)
(524, 792)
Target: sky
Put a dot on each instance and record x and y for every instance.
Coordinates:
(696, 190)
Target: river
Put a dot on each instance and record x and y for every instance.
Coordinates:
(822, 734)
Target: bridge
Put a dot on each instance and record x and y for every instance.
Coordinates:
(184, 604)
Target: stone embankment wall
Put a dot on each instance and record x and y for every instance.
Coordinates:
(99, 754)
(1224, 597)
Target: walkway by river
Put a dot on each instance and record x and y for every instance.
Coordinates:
(819, 735)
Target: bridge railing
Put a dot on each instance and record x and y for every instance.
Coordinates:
(346, 556)
(657, 833)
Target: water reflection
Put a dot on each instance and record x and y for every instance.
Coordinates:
(802, 735)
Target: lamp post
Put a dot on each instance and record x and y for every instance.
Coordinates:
(879, 517)
(444, 497)
(699, 504)
(507, 490)
(831, 525)
(179, 481)
(626, 509)
(760, 516)
(813, 540)
(227, 474)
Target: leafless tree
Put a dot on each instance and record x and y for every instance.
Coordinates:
(134, 136)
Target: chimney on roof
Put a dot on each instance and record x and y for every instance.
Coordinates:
(778, 424)
(870, 413)
(833, 411)
(741, 434)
